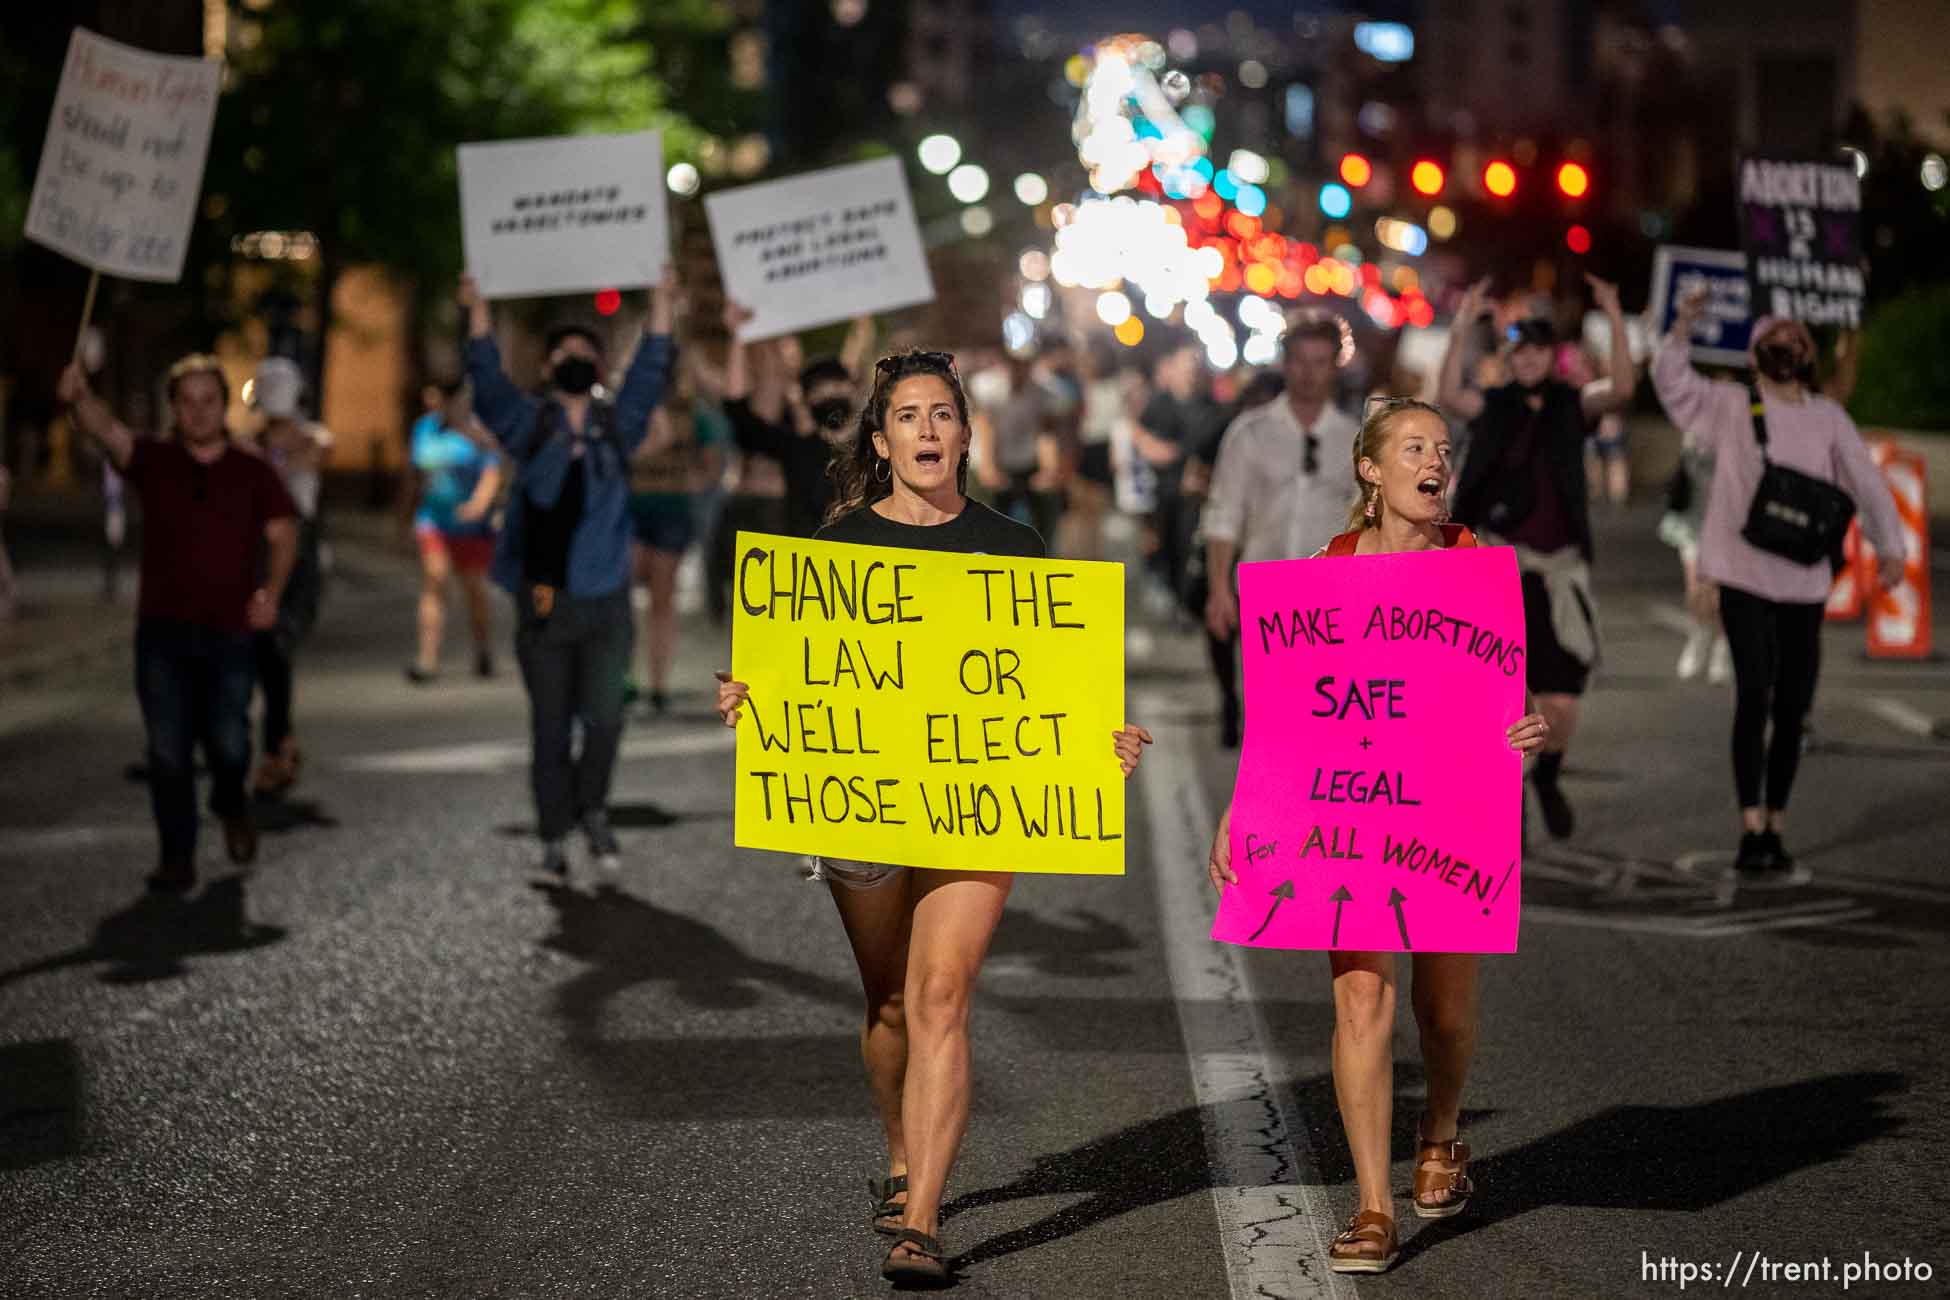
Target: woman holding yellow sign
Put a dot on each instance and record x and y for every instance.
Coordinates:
(919, 937)
(1402, 471)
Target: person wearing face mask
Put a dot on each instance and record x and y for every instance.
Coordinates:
(1401, 469)
(814, 423)
(564, 553)
(1523, 485)
(1273, 496)
(1770, 605)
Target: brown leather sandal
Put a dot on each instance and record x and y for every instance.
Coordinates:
(1440, 1193)
(1366, 1245)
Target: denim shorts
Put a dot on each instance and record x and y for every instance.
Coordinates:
(853, 875)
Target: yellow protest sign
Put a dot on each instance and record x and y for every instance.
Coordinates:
(929, 709)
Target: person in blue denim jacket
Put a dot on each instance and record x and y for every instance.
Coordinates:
(564, 551)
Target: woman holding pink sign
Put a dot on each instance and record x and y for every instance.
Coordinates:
(918, 936)
(1402, 469)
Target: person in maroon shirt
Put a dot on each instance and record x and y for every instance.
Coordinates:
(210, 511)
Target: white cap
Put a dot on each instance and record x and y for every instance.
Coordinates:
(279, 382)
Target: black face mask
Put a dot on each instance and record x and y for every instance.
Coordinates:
(1780, 362)
(830, 413)
(574, 375)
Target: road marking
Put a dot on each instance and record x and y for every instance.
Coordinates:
(1669, 616)
(511, 755)
(1898, 714)
(1274, 1216)
(61, 839)
(1717, 926)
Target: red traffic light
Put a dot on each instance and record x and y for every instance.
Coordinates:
(1500, 179)
(608, 301)
(1356, 170)
(1578, 240)
(1427, 177)
(1573, 180)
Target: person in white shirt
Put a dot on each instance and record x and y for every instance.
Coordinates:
(1275, 494)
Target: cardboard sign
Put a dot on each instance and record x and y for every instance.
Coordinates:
(567, 214)
(929, 709)
(122, 168)
(1720, 333)
(823, 247)
(1800, 224)
(1379, 806)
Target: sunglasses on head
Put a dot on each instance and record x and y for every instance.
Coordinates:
(889, 365)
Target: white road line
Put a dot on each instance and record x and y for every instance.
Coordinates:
(1669, 616)
(60, 839)
(511, 755)
(1898, 714)
(1274, 1217)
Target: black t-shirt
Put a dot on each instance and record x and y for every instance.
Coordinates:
(977, 530)
(802, 457)
(1187, 424)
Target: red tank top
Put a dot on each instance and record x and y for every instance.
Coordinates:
(1453, 535)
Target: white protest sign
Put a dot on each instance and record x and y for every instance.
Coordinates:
(122, 167)
(564, 214)
(822, 247)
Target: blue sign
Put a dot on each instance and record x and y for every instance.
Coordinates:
(1720, 334)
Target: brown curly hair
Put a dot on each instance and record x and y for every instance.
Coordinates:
(860, 474)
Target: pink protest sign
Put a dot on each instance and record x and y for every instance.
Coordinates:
(1378, 806)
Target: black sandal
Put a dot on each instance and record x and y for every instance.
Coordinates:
(887, 1212)
(924, 1264)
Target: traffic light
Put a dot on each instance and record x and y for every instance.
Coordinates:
(1578, 240)
(1573, 180)
(1427, 177)
(608, 302)
(1500, 179)
(1356, 170)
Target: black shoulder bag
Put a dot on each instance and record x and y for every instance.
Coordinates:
(1794, 515)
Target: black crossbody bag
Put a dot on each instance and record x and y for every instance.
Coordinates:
(1794, 515)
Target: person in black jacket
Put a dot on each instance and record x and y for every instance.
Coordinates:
(1523, 485)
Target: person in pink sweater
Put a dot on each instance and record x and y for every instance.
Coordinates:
(1771, 606)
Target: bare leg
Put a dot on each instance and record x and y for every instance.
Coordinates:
(1444, 997)
(955, 913)
(877, 922)
(434, 568)
(480, 620)
(1364, 1066)
(660, 623)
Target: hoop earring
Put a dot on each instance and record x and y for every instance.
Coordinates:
(883, 469)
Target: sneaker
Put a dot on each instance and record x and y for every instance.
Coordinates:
(484, 664)
(173, 878)
(1558, 819)
(240, 839)
(1692, 659)
(659, 701)
(602, 841)
(1719, 664)
(1777, 854)
(421, 676)
(554, 866)
(1754, 860)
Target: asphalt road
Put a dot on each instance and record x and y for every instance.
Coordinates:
(384, 1064)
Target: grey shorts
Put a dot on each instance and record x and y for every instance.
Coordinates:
(851, 874)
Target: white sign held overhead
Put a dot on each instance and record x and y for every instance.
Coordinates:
(565, 214)
(122, 168)
(826, 246)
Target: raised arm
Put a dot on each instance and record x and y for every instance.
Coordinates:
(1700, 407)
(509, 414)
(92, 416)
(858, 346)
(648, 378)
(1616, 393)
(1459, 401)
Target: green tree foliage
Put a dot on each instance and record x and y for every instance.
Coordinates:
(1904, 381)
